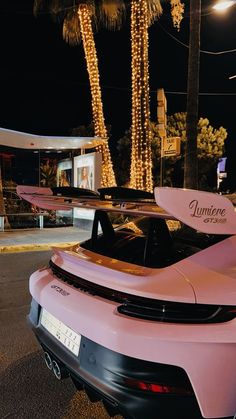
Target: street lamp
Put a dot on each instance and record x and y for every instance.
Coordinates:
(222, 5)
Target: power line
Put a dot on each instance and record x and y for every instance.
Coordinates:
(201, 93)
(154, 91)
(201, 50)
(168, 92)
(164, 30)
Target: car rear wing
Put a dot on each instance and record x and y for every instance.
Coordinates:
(204, 211)
(49, 199)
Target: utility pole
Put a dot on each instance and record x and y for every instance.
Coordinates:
(161, 126)
(191, 159)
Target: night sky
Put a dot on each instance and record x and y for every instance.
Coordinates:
(44, 84)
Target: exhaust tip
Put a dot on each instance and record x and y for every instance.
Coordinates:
(59, 370)
(56, 370)
(48, 360)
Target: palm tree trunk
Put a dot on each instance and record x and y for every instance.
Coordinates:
(108, 177)
(191, 162)
(2, 206)
(141, 159)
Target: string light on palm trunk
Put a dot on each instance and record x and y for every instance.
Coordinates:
(141, 159)
(84, 13)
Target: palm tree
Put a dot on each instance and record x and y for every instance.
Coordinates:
(78, 19)
(143, 14)
(2, 205)
(77, 25)
(191, 162)
(141, 162)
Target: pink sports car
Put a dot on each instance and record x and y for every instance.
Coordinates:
(142, 315)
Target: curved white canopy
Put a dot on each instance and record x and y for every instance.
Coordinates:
(18, 139)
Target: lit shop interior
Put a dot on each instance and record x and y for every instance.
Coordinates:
(29, 159)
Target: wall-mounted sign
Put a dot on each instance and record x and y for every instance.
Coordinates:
(221, 166)
(161, 112)
(87, 171)
(170, 147)
(87, 174)
(64, 173)
(221, 170)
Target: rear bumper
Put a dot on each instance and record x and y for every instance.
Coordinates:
(105, 372)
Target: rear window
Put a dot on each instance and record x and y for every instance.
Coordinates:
(145, 241)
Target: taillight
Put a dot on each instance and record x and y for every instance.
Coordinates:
(156, 388)
(149, 308)
(167, 311)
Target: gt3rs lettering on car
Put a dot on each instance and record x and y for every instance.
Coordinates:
(148, 324)
(60, 290)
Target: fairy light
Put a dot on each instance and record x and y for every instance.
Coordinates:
(84, 13)
(177, 11)
(141, 159)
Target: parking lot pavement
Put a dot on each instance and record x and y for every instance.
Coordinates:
(27, 388)
(40, 239)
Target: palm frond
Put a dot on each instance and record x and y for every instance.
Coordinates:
(154, 10)
(60, 8)
(38, 7)
(56, 8)
(71, 28)
(112, 13)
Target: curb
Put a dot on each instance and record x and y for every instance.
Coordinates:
(33, 247)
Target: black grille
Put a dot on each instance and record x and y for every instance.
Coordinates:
(148, 308)
(87, 286)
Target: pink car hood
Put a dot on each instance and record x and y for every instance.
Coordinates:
(212, 273)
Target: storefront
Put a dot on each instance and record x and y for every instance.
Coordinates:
(30, 159)
(49, 161)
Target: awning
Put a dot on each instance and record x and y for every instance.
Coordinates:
(18, 139)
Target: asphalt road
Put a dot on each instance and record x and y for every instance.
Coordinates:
(27, 388)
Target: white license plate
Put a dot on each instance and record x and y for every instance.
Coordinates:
(64, 334)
